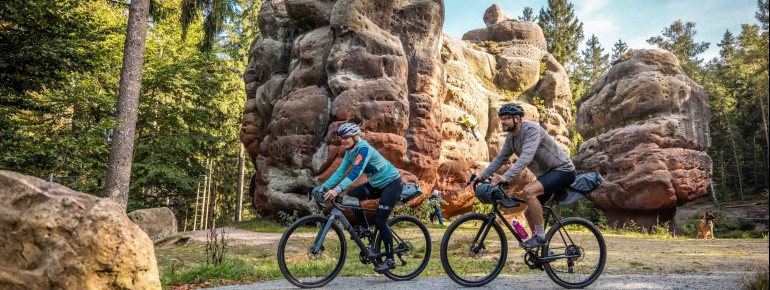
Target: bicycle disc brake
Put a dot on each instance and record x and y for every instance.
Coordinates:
(576, 252)
(311, 256)
(407, 247)
(477, 250)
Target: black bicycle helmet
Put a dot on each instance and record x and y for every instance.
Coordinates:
(511, 109)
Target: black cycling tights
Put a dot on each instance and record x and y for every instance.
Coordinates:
(388, 197)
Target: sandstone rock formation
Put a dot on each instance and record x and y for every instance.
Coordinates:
(56, 238)
(157, 223)
(385, 65)
(646, 125)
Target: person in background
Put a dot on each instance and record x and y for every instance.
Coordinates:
(436, 197)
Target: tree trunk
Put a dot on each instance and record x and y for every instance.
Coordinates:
(722, 172)
(767, 140)
(186, 210)
(754, 160)
(239, 190)
(737, 160)
(206, 195)
(119, 169)
(211, 211)
(197, 199)
(713, 195)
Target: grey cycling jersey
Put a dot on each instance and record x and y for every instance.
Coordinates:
(533, 144)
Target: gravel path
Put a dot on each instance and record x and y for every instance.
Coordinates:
(722, 280)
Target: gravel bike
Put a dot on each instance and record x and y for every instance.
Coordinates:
(474, 248)
(313, 249)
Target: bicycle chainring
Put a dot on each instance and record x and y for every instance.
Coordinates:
(532, 261)
(364, 258)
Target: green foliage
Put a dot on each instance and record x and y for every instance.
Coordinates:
(527, 15)
(58, 121)
(563, 31)
(235, 269)
(427, 207)
(287, 218)
(679, 39)
(591, 64)
(759, 281)
(480, 207)
(618, 49)
(44, 42)
(724, 227)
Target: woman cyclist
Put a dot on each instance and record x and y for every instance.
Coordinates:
(384, 183)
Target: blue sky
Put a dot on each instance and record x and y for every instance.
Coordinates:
(633, 21)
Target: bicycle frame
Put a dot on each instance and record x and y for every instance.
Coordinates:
(336, 213)
(495, 212)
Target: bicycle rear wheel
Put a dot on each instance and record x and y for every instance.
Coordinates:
(467, 259)
(411, 246)
(299, 265)
(582, 252)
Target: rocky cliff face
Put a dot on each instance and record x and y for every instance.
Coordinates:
(386, 66)
(646, 125)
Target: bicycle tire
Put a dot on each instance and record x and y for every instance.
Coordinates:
(317, 221)
(399, 235)
(450, 271)
(566, 240)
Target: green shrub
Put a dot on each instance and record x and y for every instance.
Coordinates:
(759, 281)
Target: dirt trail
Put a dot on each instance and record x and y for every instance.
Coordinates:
(236, 236)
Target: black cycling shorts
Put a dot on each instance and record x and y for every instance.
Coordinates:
(554, 181)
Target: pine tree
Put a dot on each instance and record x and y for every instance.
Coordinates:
(121, 156)
(217, 13)
(563, 31)
(528, 15)
(618, 50)
(679, 39)
(595, 61)
(727, 45)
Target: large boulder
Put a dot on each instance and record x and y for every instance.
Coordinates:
(646, 125)
(157, 223)
(57, 238)
(386, 66)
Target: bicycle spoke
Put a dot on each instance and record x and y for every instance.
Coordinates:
(581, 253)
(411, 247)
(300, 264)
(471, 262)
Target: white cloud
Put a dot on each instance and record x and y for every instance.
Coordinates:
(583, 9)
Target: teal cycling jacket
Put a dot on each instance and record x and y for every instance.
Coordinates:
(364, 159)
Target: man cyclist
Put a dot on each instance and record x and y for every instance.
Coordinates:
(552, 166)
(384, 183)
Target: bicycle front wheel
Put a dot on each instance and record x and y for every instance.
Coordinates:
(473, 252)
(300, 264)
(411, 247)
(580, 253)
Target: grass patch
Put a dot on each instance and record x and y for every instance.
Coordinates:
(758, 281)
(224, 273)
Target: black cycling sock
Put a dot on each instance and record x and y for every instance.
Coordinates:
(381, 220)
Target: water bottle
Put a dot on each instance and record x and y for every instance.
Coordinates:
(519, 229)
